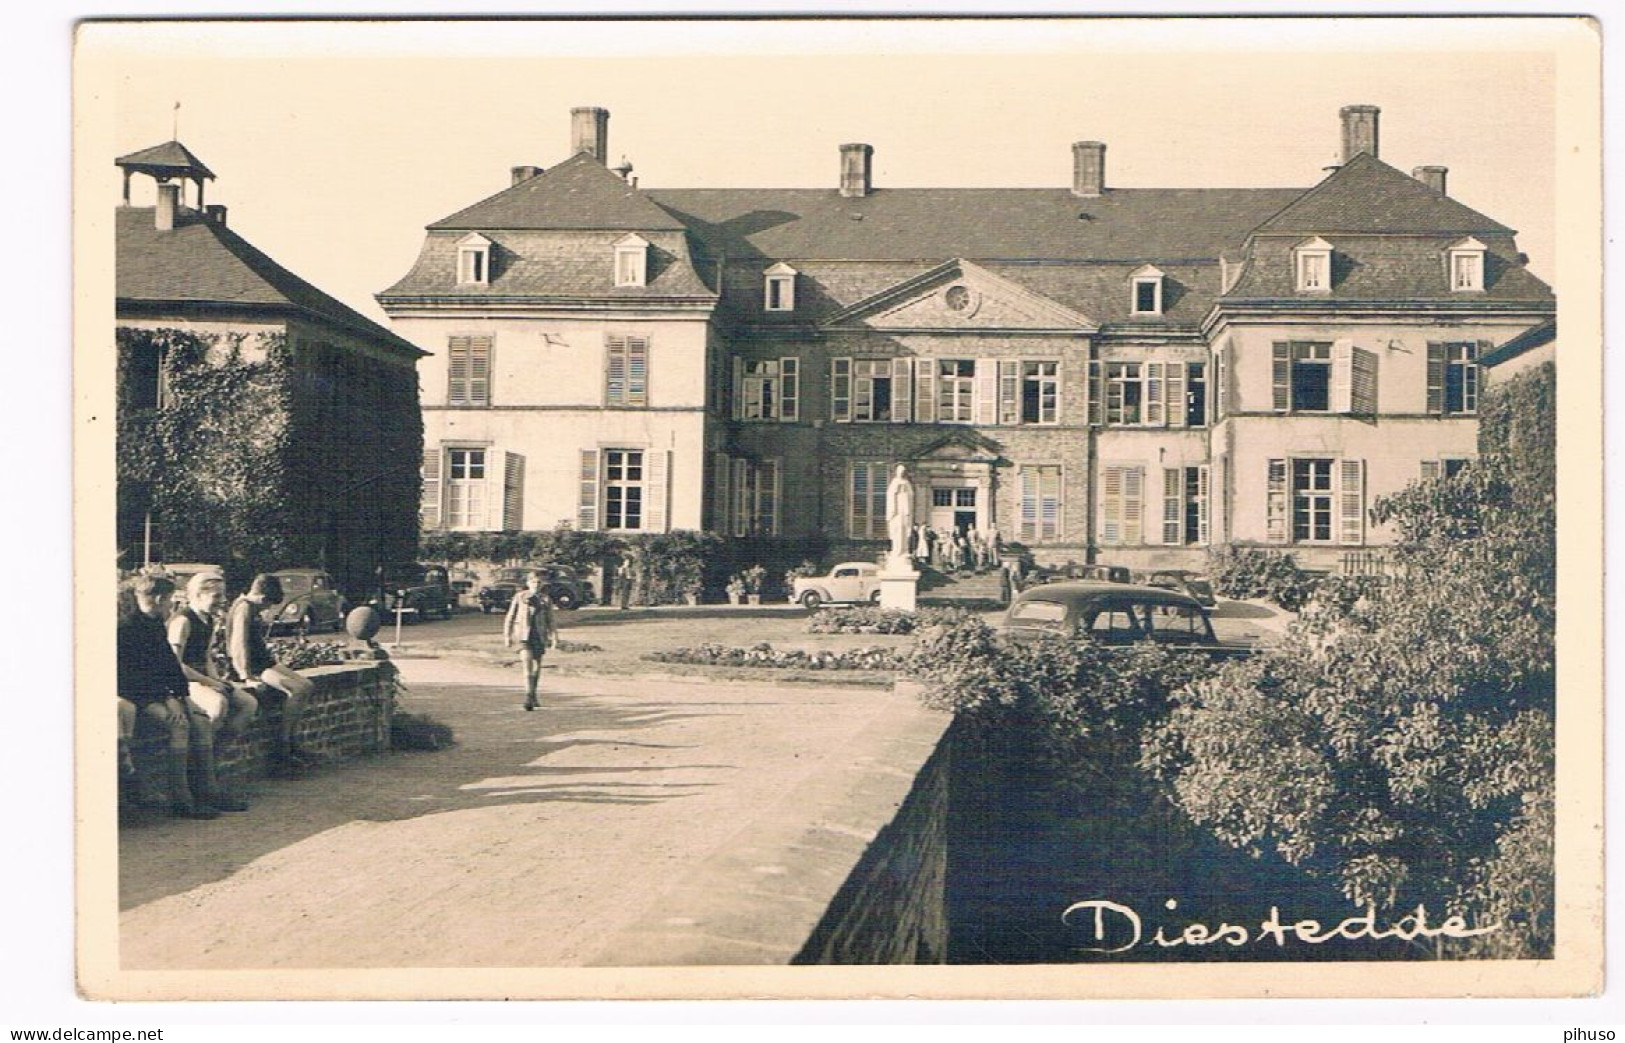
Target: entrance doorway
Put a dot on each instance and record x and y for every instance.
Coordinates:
(953, 508)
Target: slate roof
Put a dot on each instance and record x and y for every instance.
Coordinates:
(564, 264)
(1528, 340)
(171, 156)
(980, 224)
(1389, 267)
(1367, 195)
(202, 263)
(579, 193)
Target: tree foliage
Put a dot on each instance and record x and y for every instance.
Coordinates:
(1401, 739)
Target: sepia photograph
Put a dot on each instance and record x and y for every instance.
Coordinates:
(959, 508)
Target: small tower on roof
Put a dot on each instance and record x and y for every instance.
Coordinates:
(164, 163)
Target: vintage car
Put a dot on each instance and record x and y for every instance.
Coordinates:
(415, 591)
(1186, 582)
(309, 603)
(850, 581)
(1116, 614)
(1073, 571)
(559, 582)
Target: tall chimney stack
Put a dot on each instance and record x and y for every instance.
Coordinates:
(1433, 177)
(1359, 130)
(169, 198)
(216, 213)
(857, 165)
(1088, 168)
(589, 132)
(525, 173)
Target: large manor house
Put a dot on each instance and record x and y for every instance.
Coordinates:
(1127, 375)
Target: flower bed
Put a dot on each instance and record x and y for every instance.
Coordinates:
(766, 656)
(296, 653)
(867, 619)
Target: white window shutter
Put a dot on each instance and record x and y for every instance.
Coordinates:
(987, 391)
(1009, 391)
(614, 370)
(1177, 405)
(1275, 503)
(1049, 502)
(901, 397)
(511, 517)
(430, 509)
(479, 371)
(790, 389)
(770, 493)
(657, 490)
(1351, 502)
(925, 391)
(1133, 505)
(1030, 483)
(1095, 407)
(1173, 504)
(1342, 390)
(1155, 414)
(637, 371)
(587, 497)
(1111, 503)
(1203, 499)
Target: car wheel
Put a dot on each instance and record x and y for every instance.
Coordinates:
(874, 599)
(810, 600)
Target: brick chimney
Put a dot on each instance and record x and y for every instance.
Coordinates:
(857, 164)
(1359, 130)
(1088, 168)
(169, 200)
(589, 132)
(525, 173)
(1433, 177)
(217, 213)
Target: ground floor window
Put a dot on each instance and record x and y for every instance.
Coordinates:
(1040, 503)
(465, 489)
(866, 503)
(623, 489)
(754, 506)
(1185, 505)
(1311, 501)
(1122, 505)
(1316, 500)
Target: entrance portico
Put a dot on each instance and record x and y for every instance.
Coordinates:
(955, 484)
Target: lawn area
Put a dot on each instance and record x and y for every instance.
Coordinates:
(625, 637)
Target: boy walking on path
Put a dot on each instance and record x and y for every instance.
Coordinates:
(530, 623)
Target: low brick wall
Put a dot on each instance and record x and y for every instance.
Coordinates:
(347, 715)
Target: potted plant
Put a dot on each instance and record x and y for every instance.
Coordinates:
(754, 577)
(736, 589)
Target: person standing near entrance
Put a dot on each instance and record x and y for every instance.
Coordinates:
(530, 623)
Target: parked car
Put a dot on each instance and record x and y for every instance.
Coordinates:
(310, 602)
(1073, 571)
(1116, 614)
(417, 591)
(559, 583)
(850, 581)
(1186, 582)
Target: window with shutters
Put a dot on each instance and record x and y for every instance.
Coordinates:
(1313, 263)
(956, 390)
(1453, 378)
(1040, 392)
(468, 370)
(1125, 393)
(878, 394)
(626, 363)
(1185, 505)
(1302, 376)
(631, 261)
(465, 489)
(1195, 395)
(768, 389)
(1040, 503)
(780, 288)
(866, 503)
(755, 509)
(1312, 500)
(623, 489)
(1447, 467)
(1122, 507)
(473, 260)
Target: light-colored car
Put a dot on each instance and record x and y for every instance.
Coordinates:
(850, 581)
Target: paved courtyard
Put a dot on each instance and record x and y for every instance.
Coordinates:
(629, 822)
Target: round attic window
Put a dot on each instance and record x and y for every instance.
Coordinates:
(958, 298)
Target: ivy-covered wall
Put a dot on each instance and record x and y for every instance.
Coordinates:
(265, 452)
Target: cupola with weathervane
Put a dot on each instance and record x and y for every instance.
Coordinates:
(171, 165)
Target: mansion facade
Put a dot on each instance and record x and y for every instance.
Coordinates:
(1113, 374)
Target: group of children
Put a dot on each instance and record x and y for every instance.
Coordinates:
(196, 675)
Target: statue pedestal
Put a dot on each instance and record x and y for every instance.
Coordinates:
(898, 583)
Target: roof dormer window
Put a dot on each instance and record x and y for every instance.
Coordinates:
(473, 260)
(1146, 285)
(1467, 266)
(632, 261)
(780, 288)
(1313, 263)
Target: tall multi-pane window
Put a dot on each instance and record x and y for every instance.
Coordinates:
(767, 389)
(872, 389)
(623, 489)
(1124, 393)
(1040, 392)
(1312, 500)
(465, 489)
(1461, 378)
(1195, 395)
(1302, 376)
(956, 390)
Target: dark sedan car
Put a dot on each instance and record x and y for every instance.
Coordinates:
(309, 602)
(1116, 614)
(559, 583)
(1192, 583)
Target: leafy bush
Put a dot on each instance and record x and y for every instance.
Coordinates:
(1251, 572)
(766, 656)
(869, 619)
(297, 653)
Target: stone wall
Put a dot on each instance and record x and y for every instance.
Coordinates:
(348, 715)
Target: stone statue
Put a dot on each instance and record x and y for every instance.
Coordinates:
(899, 511)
